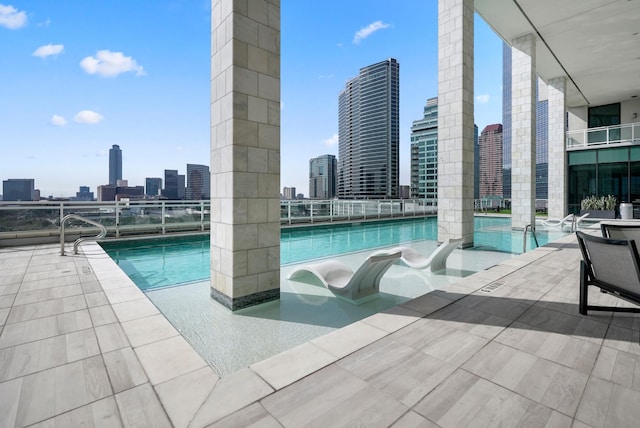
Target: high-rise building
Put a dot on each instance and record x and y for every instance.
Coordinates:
(490, 142)
(476, 164)
(322, 177)
(289, 193)
(542, 139)
(18, 189)
(198, 182)
(170, 184)
(506, 121)
(115, 164)
(85, 194)
(424, 153)
(368, 131)
(153, 186)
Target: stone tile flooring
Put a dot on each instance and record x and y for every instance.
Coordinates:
(81, 345)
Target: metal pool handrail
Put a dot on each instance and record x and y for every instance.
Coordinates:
(524, 237)
(102, 234)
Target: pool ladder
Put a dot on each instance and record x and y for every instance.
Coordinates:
(524, 237)
(102, 234)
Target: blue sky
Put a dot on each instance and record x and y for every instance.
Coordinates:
(79, 76)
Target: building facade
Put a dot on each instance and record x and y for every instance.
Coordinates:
(490, 145)
(18, 189)
(322, 177)
(198, 182)
(115, 165)
(153, 187)
(424, 153)
(85, 194)
(173, 184)
(289, 193)
(368, 131)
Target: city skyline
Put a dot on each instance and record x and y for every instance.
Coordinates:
(73, 87)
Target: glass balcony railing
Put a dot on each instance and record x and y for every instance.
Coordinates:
(315, 211)
(39, 222)
(627, 133)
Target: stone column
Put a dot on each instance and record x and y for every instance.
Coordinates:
(557, 151)
(523, 132)
(245, 152)
(455, 120)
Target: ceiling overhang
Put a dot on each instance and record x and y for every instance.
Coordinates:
(594, 43)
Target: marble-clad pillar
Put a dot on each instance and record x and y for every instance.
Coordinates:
(455, 120)
(245, 152)
(523, 132)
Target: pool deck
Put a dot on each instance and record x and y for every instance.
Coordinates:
(81, 345)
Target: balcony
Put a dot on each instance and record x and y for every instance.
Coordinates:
(625, 134)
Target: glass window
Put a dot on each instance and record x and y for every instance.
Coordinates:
(634, 170)
(606, 115)
(582, 183)
(582, 157)
(613, 179)
(613, 155)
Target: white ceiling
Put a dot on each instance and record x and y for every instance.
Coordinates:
(595, 43)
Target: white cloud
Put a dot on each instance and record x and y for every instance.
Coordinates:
(11, 18)
(89, 117)
(58, 120)
(331, 141)
(48, 50)
(101, 153)
(365, 32)
(482, 99)
(110, 64)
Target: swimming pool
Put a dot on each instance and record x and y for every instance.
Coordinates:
(164, 262)
(230, 341)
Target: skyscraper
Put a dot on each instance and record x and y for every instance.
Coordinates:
(322, 177)
(490, 143)
(171, 184)
(368, 131)
(153, 186)
(19, 189)
(424, 153)
(476, 164)
(542, 132)
(115, 164)
(198, 182)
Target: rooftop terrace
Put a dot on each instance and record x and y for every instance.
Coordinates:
(79, 343)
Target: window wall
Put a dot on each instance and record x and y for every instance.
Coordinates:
(613, 171)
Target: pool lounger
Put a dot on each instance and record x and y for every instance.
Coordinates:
(436, 261)
(343, 282)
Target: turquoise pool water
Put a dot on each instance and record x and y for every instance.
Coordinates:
(157, 263)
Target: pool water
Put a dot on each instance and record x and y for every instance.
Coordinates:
(174, 274)
(155, 263)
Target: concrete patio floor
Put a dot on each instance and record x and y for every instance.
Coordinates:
(81, 345)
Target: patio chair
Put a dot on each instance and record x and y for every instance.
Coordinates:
(343, 282)
(613, 265)
(436, 261)
(621, 231)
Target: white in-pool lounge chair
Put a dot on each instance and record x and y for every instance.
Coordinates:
(556, 222)
(436, 261)
(343, 282)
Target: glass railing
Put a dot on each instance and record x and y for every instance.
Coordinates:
(627, 133)
(39, 222)
(315, 211)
